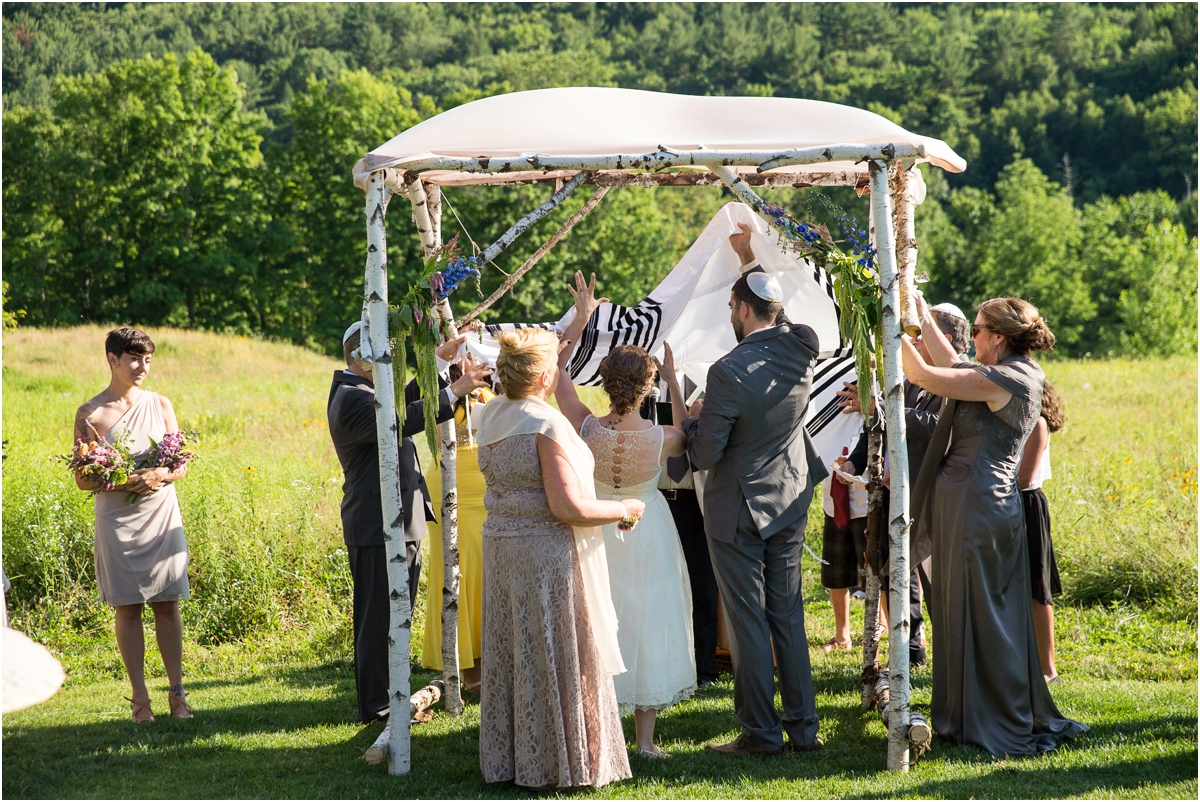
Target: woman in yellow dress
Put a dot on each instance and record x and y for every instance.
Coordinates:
(471, 487)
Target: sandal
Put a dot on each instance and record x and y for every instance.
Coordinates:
(178, 699)
(832, 645)
(141, 711)
(659, 755)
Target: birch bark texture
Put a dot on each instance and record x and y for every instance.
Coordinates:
(426, 200)
(904, 202)
(870, 579)
(388, 442)
(893, 405)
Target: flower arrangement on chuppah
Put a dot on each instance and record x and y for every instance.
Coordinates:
(855, 281)
(445, 271)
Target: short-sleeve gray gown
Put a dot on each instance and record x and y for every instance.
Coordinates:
(988, 687)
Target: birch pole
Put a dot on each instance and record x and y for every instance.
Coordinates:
(893, 398)
(388, 434)
(426, 202)
(904, 202)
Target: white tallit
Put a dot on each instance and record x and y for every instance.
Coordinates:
(504, 417)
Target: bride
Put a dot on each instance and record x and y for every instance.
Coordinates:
(646, 568)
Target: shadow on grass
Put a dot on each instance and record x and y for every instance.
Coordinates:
(311, 748)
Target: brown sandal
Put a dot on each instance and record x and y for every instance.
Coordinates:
(178, 699)
(832, 645)
(141, 711)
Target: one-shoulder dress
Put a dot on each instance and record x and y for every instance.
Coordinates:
(141, 554)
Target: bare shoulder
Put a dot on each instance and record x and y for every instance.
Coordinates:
(165, 403)
(89, 407)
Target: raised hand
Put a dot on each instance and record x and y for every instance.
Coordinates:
(584, 294)
(849, 399)
(740, 242)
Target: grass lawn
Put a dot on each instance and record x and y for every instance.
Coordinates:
(267, 651)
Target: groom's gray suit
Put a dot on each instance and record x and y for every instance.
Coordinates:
(762, 467)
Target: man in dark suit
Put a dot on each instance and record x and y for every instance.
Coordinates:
(351, 412)
(750, 437)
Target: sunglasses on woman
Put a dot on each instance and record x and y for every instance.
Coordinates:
(976, 328)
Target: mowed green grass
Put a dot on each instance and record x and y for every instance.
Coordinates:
(267, 652)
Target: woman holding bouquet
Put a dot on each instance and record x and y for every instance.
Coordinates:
(141, 554)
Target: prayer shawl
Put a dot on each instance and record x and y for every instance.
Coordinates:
(690, 310)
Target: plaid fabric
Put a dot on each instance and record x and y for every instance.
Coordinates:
(843, 549)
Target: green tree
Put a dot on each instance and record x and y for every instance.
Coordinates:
(144, 204)
(1029, 250)
(314, 255)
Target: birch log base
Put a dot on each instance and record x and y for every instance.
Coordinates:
(419, 703)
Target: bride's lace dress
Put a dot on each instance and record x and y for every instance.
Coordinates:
(647, 572)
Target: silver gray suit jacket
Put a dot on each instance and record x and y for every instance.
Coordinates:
(750, 433)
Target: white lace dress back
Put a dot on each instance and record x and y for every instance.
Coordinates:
(647, 572)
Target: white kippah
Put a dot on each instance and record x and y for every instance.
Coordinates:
(354, 327)
(765, 287)
(949, 309)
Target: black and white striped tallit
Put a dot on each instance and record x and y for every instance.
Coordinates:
(690, 310)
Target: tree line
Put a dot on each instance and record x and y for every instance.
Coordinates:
(190, 164)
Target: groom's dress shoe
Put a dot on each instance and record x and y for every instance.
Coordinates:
(742, 746)
(812, 746)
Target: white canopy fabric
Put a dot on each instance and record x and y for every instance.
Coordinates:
(593, 121)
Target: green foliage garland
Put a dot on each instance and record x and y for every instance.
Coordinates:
(855, 283)
(443, 271)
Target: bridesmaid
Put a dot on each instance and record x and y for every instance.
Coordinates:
(141, 555)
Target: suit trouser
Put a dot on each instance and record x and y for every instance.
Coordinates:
(759, 580)
(372, 618)
(689, 520)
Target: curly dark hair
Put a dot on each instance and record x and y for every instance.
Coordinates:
(627, 375)
(1052, 408)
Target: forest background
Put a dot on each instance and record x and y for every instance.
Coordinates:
(189, 165)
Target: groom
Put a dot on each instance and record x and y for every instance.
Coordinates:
(750, 437)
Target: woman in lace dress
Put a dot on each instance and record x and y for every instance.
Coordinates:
(988, 687)
(647, 569)
(549, 714)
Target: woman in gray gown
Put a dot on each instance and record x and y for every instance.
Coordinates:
(988, 687)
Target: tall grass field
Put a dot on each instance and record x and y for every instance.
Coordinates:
(267, 629)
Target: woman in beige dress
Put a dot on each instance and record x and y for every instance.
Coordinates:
(549, 714)
(141, 555)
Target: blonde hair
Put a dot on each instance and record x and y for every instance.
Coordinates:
(524, 355)
(1019, 322)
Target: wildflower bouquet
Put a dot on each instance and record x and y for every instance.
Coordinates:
(855, 282)
(445, 271)
(168, 453)
(109, 464)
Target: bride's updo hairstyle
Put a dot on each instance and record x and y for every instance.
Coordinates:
(525, 355)
(627, 374)
(1025, 330)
